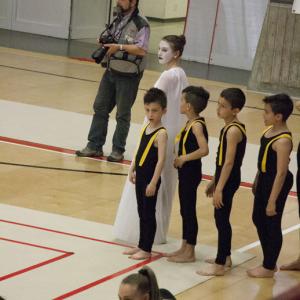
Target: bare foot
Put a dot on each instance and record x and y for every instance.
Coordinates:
(214, 270)
(141, 254)
(131, 251)
(293, 266)
(177, 252)
(261, 272)
(182, 258)
(228, 263)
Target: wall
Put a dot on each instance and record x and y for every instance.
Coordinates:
(277, 61)
(44, 17)
(167, 9)
(88, 18)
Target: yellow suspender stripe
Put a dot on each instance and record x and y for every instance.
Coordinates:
(141, 134)
(186, 134)
(146, 151)
(220, 160)
(264, 159)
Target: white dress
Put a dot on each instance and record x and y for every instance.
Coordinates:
(126, 227)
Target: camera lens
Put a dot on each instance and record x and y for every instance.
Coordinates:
(99, 54)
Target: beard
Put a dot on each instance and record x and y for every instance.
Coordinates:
(122, 10)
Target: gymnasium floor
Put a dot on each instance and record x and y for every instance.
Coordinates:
(46, 107)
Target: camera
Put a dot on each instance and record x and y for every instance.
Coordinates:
(99, 53)
(106, 37)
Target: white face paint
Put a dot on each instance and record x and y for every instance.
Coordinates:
(165, 52)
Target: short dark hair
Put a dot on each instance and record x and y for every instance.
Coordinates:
(155, 95)
(177, 42)
(235, 97)
(280, 104)
(197, 97)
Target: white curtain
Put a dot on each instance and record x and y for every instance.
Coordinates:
(237, 31)
(296, 7)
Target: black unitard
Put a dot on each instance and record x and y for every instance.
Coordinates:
(146, 205)
(269, 227)
(190, 176)
(222, 215)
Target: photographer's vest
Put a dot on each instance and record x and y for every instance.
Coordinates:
(122, 62)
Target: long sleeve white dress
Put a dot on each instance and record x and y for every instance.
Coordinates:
(126, 226)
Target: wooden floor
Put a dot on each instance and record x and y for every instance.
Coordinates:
(70, 85)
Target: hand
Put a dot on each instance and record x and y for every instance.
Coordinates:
(210, 189)
(150, 189)
(132, 176)
(254, 185)
(218, 199)
(179, 161)
(113, 48)
(271, 209)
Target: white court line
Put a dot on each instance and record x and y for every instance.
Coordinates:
(257, 243)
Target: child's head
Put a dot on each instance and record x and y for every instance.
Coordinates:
(231, 102)
(140, 286)
(194, 98)
(155, 103)
(278, 108)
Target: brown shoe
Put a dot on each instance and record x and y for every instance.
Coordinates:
(115, 156)
(88, 152)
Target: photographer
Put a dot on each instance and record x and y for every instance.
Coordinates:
(125, 63)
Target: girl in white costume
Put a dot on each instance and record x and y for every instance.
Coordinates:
(172, 81)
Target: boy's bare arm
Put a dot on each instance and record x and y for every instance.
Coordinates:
(254, 185)
(234, 136)
(201, 152)
(161, 141)
(131, 173)
(283, 148)
(202, 143)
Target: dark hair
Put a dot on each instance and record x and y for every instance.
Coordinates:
(197, 97)
(280, 104)
(177, 42)
(137, 2)
(235, 97)
(145, 281)
(155, 95)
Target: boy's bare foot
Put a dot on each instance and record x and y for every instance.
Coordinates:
(141, 254)
(177, 252)
(131, 251)
(293, 266)
(261, 272)
(182, 258)
(228, 263)
(186, 256)
(214, 270)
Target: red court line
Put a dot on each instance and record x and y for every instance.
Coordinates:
(41, 264)
(68, 234)
(87, 286)
(106, 278)
(33, 245)
(124, 162)
(50, 148)
(83, 59)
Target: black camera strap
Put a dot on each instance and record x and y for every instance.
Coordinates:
(120, 30)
